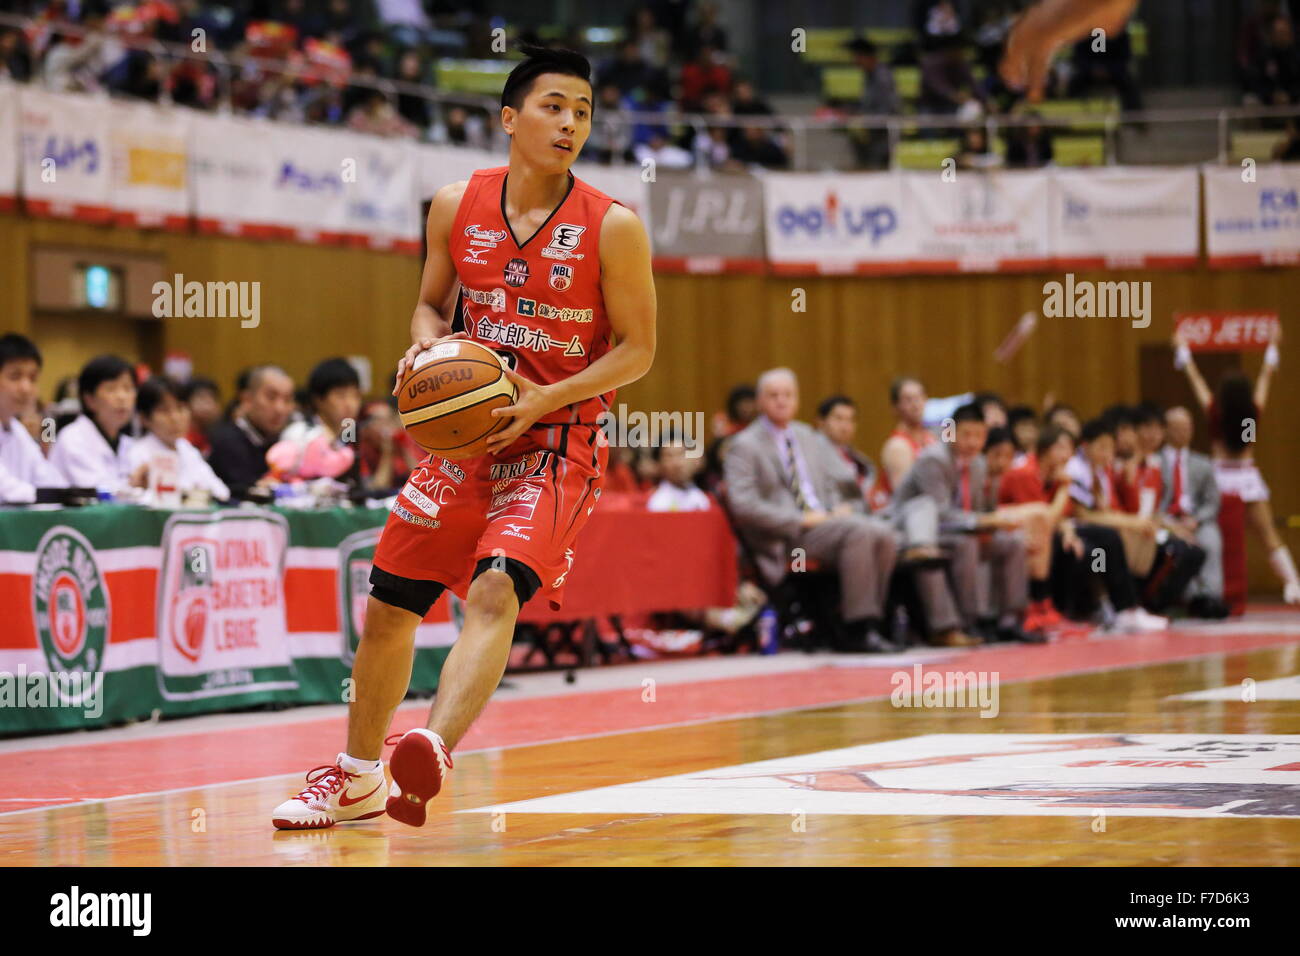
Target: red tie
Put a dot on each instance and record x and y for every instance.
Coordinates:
(965, 487)
(1176, 503)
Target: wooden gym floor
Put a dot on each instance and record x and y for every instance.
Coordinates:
(1095, 757)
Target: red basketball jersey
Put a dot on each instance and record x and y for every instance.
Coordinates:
(536, 300)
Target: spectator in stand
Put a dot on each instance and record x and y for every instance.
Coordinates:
(742, 408)
(621, 476)
(204, 401)
(1191, 504)
(1277, 80)
(757, 147)
(628, 71)
(388, 454)
(73, 64)
(992, 408)
(879, 98)
(165, 416)
(92, 452)
(240, 444)
(609, 138)
(1065, 418)
(677, 490)
(663, 153)
(377, 116)
(945, 73)
(462, 127)
(706, 73)
(1024, 431)
(746, 102)
(15, 59)
(23, 467)
(416, 110)
(1112, 66)
(908, 439)
(837, 419)
(654, 44)
(1253, 39)
(1029, 147)
(787, 487)
(976, 152)
(705, 31)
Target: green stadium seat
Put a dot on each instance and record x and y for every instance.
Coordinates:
(1255, 144)
(907, 80)
(1079, 150)
(826, 45)
(842, 82)
(1070, 113)
(472, 76)
(925, 153)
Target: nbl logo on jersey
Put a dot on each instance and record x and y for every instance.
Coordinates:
(561, 277)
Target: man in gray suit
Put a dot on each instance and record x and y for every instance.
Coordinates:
(1190, 502)
(940, 500)
(789, 489)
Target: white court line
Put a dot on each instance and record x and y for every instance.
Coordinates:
(637, 730)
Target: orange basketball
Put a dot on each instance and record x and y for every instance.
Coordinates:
(447, 398)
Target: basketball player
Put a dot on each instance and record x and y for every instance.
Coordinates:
(909, 438)
(551, 271)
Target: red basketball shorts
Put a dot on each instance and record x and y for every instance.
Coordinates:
(528, 503)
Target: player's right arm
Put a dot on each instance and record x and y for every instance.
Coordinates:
(429, 322)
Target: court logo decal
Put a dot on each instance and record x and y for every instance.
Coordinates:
(1155, 775)
(69, 602)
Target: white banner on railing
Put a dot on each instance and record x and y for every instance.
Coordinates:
(9, 144)
(623, 183)
(819, 223)
(64, 155)
(979, 222)
(149, 164)
(1125, 217)
(308, 195)
(381, 210)
(1252, 223)
(231, 172)
(438, 166)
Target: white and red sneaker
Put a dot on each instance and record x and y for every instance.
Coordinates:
(333, 795)
(420, 765)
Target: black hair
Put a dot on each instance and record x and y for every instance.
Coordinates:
(101, 369)
(1095, 428)
(1020, 413)
(829, 405)
(970, 412)
(741, 393)
(1120, 416)
(18, 348)
(153, 391)
(896, 387)
(1147, 412)
(984, 398)
(998, 436)
(1236, 404)
(331, 374)
(1060, 407)
(538, 60)
(196, 385)
(1049, 436)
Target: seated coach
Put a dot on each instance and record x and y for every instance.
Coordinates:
(789, 488)
(240, 444)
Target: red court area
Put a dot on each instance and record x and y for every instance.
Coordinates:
(175, 755)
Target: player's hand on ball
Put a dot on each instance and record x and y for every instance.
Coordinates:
(407, 360)
(532, 402)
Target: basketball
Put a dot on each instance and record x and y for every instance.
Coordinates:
(447, 398)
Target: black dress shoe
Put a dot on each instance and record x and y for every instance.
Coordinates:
(870, 642)
(1017, 635)
(1208, 608)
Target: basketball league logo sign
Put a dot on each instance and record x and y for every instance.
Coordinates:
(69, 602)
(561, 277)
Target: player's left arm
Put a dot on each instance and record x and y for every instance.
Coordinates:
(627, 284)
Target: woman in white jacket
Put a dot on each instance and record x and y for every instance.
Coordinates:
(166, 419)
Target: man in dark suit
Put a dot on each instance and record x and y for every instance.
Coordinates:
(1190, 501)
(789, 489)
(940, 500)
(240, 443)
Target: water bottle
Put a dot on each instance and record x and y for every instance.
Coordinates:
(768, 640)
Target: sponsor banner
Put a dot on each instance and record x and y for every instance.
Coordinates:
(308, 196)
(382, 211)
(1125, 217)
(64, 162)
(149, 161)
(92, 592)
(979, 222)
(707, 223)
(1227, 331)
(1255, 223)
(438, 166)
(231, 176)
(1077, 775)
(9, 145)
(623, 183)
(221, 608)
(817, 223)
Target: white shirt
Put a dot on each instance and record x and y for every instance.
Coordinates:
(192, 471)
(23, 467)
(86, 460)
(668, 497)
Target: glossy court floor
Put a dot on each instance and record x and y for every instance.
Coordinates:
(1105, 750)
